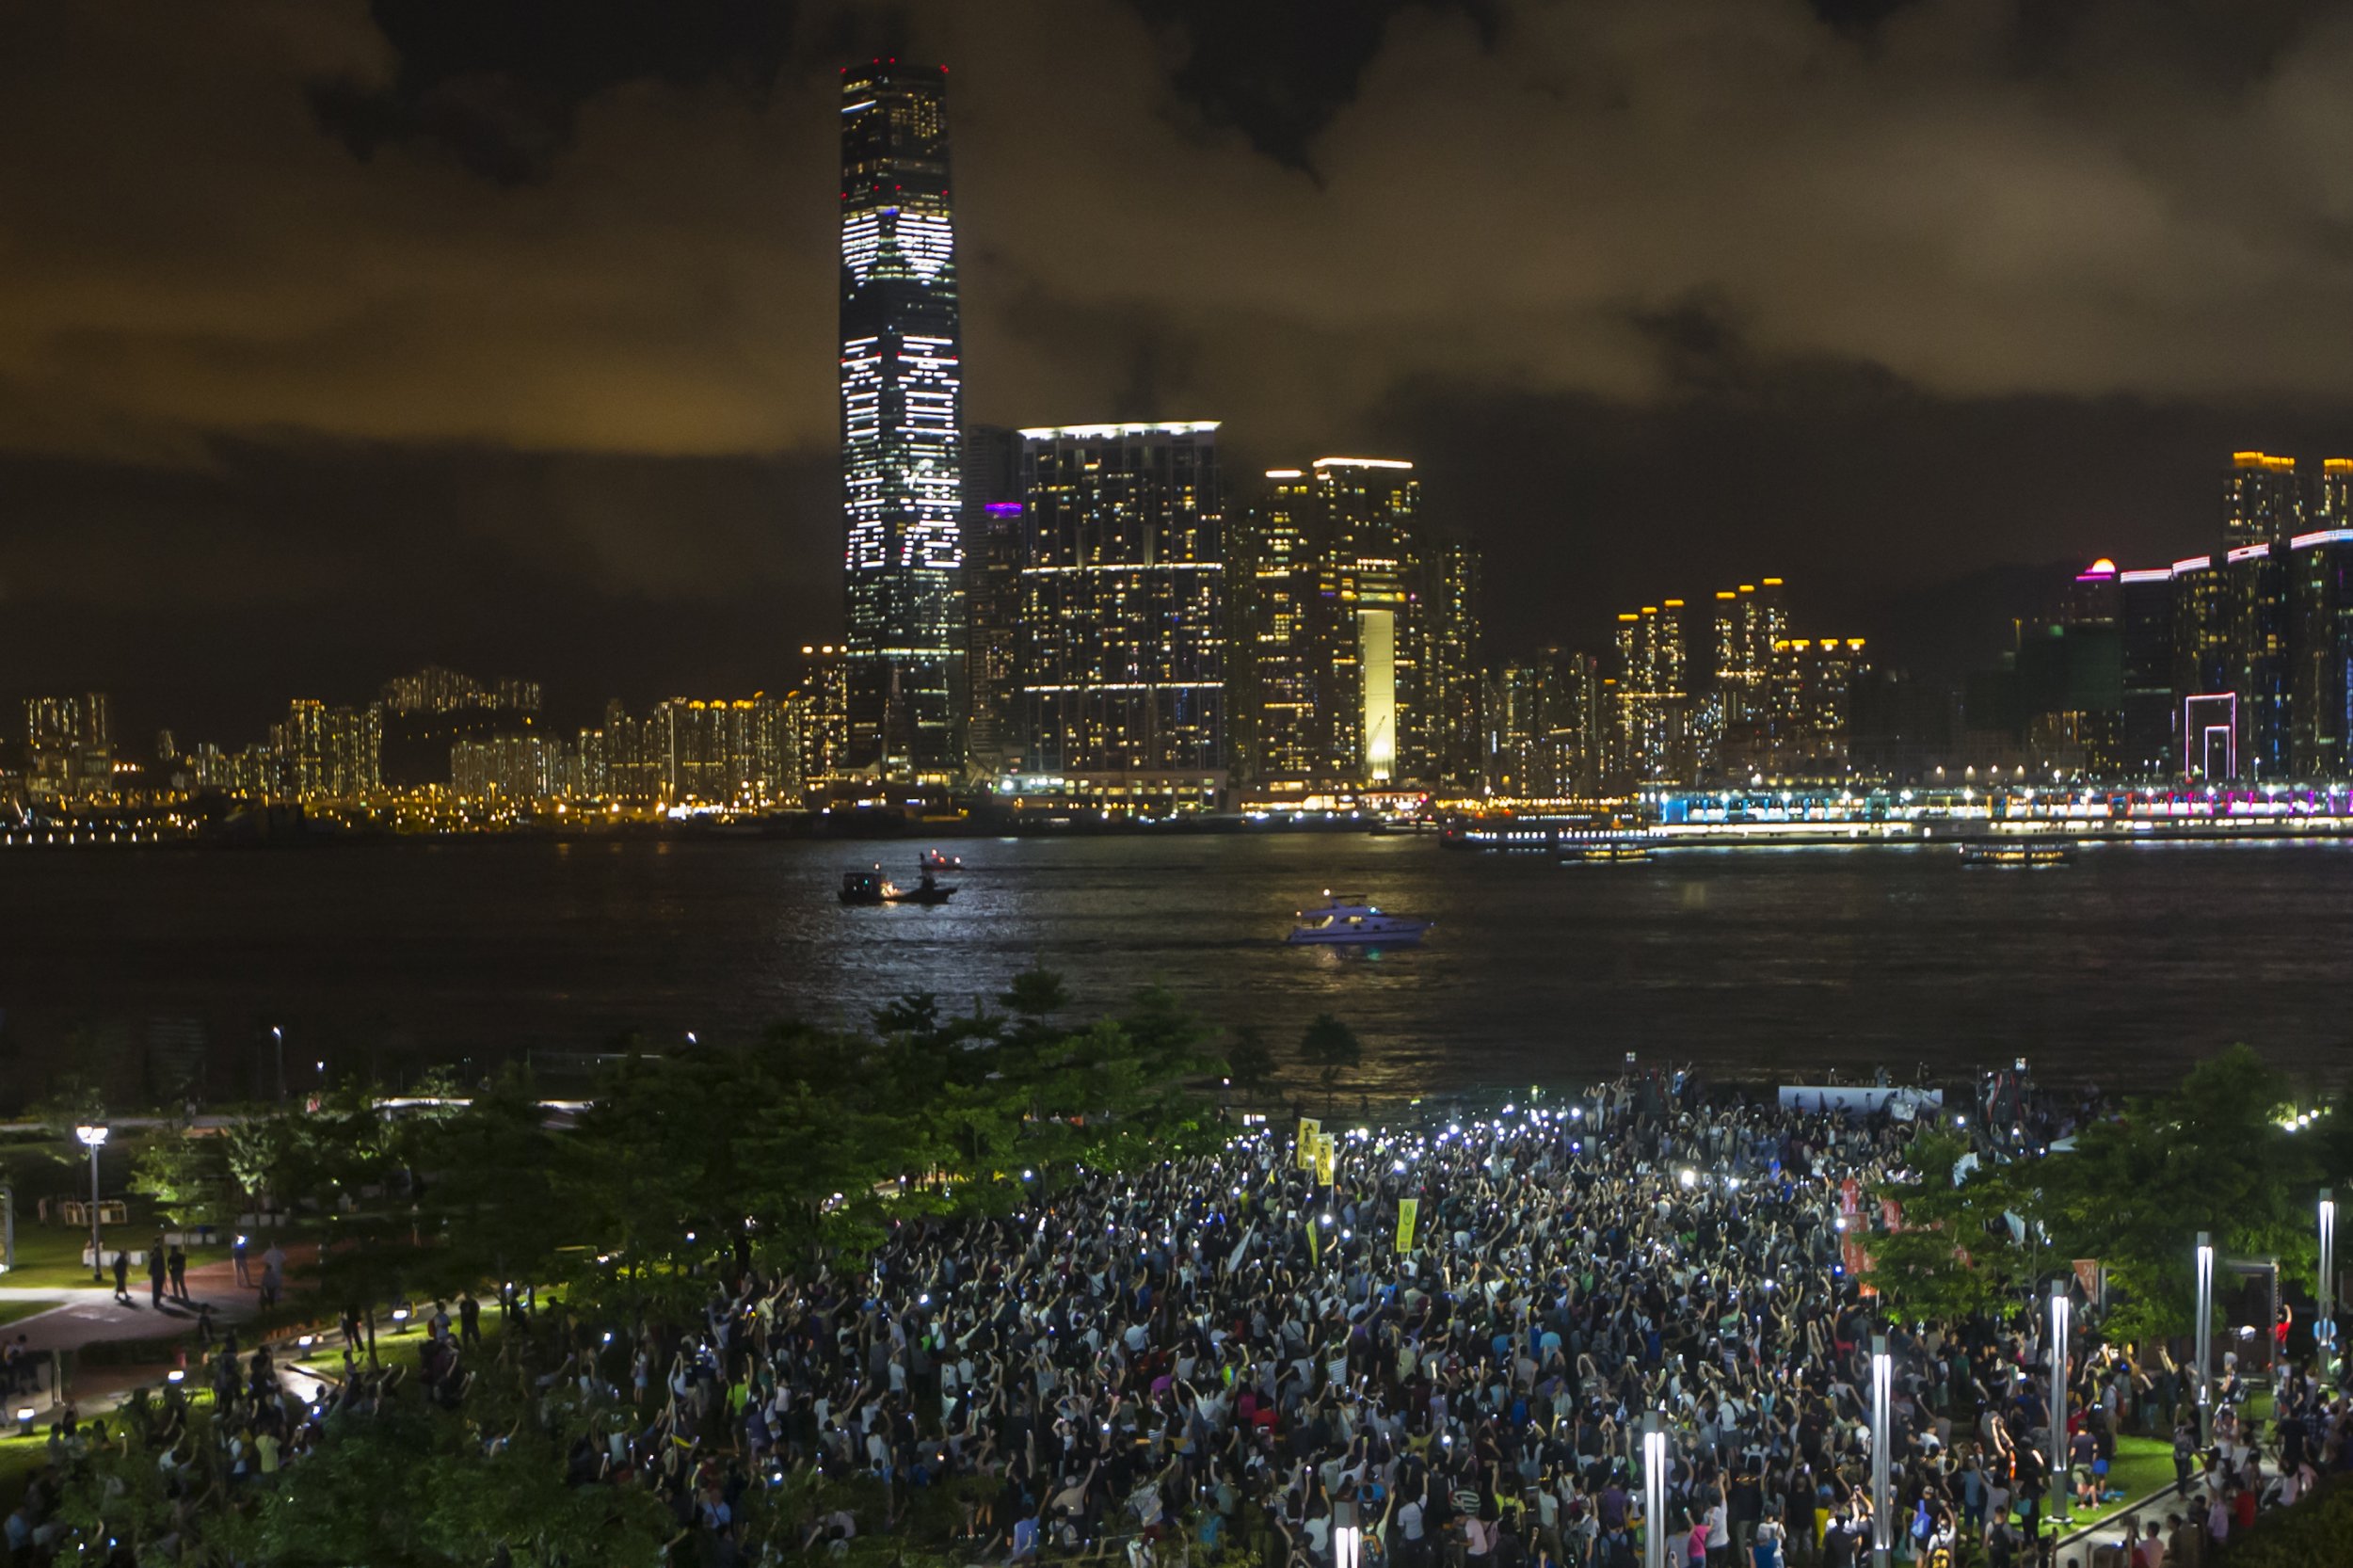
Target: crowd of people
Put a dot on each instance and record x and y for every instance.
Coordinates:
(1225, 1352)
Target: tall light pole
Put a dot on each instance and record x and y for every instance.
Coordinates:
(2205, 1339)
(277, 1038)
(2060, 1305)
(94, 1135)
(1883, 1439)
(1654, 1491)
(2325, 1317)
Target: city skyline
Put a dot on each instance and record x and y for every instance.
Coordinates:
(549, 392)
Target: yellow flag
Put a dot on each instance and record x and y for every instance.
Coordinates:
(1310, 1134)
(1408, 1215)
(1328, 1159)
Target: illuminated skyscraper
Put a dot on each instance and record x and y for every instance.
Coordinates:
(901, 405)
(1271, 599)
(2262, 501)
(1651, 737)
(1371, 630)
(992, 597)
(1452, 739)
(1123, 631)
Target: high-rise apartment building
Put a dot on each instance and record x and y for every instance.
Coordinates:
(69, 746)
(328, 754)
(1812, 693)
(1542, 738)
(1371, 631)
(901, 422)
(2320, 684)
(1455, 745)
(1273, 680)
(992, 597)
(1123, 631)
(1652, 738)
(2263, 499)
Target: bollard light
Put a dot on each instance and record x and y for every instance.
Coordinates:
(175, 1376)
(1347, 1539)
(2205, 1339)
(1883, 1439)
(25, 1417)
(1654, 1491)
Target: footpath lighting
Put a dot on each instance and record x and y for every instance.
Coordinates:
(2061, 1311)
(400, 1316)
(2205, 1339)
(1882, 1438)
(94, 1136)
(2325, 1319)
(175, 1376)
(1654, 1489)
(25, 1417)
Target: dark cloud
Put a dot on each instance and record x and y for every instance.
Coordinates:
(500, 84)
(1278, 73)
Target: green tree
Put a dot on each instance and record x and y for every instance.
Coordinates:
(1954, 1254)
(1036, 994)
(187, 1173)
(72, 1101)
(2211, 1156)
(1331, 1049)
(1248, 1061)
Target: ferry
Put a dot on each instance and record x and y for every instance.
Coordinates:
(1349, 919)
(1991, 852)
(1612, 850)
(936, 861)
(873, 888)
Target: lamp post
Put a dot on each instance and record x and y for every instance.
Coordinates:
(2325, 1315)
(2205, 1339)
(1883, 1439)
(2061, 1311)
(93, 1135)
(1654, 1491)
(277, 1038)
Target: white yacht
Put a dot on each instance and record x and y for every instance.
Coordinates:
(1351, 919)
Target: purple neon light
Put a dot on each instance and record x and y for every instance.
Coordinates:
(1004, 508)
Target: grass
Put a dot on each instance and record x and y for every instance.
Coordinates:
(2142, 1464)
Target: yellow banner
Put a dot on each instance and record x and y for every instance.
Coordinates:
(1310, 1134)
(1328, 1159)
(1408, 1215)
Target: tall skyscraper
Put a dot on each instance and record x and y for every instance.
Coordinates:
(901, 422)
(992, 597)
(2262, 500)
(1454, 737)
(1123, 628)
(1652, 698)
(1273, 682)
(1372, 634)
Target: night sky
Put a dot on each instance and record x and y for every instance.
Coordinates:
(336, 338)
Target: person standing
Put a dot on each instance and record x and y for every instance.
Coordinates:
(155, 1272)
(123, 1277)
(177, 1264)
(245, 1265)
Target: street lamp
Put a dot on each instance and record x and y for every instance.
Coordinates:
(277, 1038)
(1883, 1439)
(2205, 1339)
(1654, 1492)
(2060, 1308)
(94, 1135)
(2325, 1319)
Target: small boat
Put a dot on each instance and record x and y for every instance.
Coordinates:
(1987, 852)
(935, 861)
(1351, 921)
(924, 893)
(872, 888)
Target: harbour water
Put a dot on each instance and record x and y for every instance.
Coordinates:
(2121, 967)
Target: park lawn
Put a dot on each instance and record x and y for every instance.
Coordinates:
(50, 1256)
(2143, 1465)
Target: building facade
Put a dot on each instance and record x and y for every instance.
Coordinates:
(1123, 634)
(902, 403)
